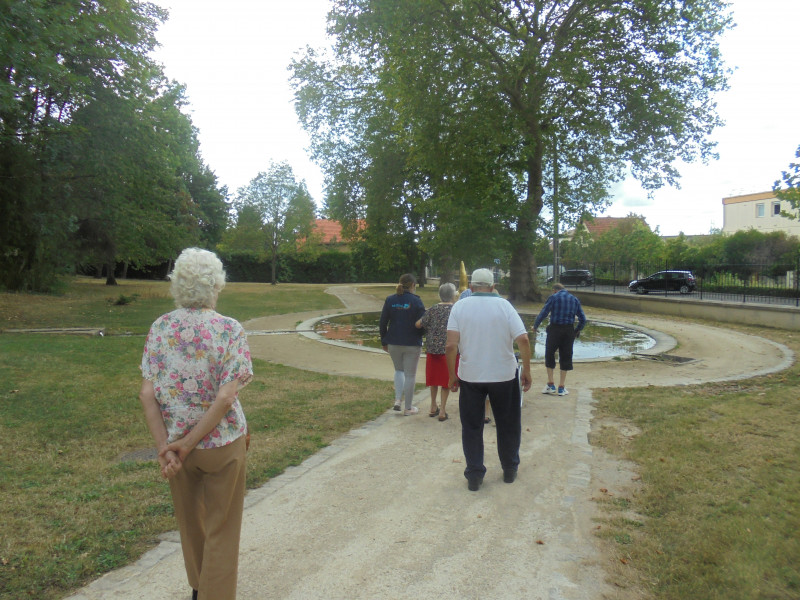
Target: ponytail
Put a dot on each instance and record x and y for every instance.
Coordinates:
(406, 281)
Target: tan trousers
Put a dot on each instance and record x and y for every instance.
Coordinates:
(208, 494)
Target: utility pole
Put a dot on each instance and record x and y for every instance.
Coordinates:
(556, 256)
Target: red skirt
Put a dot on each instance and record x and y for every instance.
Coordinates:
(436, 373)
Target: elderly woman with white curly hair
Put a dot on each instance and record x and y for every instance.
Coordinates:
(194, 363)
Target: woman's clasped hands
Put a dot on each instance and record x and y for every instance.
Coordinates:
(169, 462)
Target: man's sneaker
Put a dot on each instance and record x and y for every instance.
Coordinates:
(411, 411)
(397, 407)
(562, 391)
(549, 389)
(509, 475)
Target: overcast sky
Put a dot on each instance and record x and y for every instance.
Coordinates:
(233, 58)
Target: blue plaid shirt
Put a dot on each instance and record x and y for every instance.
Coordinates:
(563, 307)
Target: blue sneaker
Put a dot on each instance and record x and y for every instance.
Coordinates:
(549, 389)
(562, 391)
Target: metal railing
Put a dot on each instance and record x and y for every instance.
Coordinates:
(777, 284)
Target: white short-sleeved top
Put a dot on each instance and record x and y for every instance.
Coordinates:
(487, 326)
(188, 355)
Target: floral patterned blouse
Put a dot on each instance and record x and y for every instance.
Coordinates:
(434, 322)
(188, 355)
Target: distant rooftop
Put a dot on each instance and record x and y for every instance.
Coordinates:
(748, 197)
(330, 230)
(597, 226)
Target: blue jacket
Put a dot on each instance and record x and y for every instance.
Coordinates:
(400, 312)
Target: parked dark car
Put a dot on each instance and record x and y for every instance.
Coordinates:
(665, 281)
(575, 277)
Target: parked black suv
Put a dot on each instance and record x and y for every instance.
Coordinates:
(665, 281)
(574, 277)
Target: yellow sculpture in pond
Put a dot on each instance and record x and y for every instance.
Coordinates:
(463, 282)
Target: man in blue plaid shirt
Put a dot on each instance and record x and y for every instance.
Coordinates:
(563, 308)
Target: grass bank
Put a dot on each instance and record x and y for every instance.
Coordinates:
(74, 501)
(715, 513)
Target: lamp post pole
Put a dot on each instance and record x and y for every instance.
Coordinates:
(556, 255)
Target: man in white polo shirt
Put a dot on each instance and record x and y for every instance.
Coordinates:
(482, 329)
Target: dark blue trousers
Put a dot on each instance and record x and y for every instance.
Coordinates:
(504, 397)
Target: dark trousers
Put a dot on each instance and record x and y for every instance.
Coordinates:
(504, 396)
(561, 338)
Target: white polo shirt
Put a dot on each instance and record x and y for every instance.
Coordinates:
(487, 326)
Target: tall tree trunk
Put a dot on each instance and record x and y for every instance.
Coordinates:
(423, 271)
(110, 279)
(523, 286)
(446, 271)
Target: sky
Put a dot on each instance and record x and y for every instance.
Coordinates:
(233, 58)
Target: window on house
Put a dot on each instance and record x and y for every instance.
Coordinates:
(759, 210)
(776, 209)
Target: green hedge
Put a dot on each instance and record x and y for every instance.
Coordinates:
(358, 266)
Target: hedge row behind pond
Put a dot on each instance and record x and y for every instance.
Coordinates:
(327, 267)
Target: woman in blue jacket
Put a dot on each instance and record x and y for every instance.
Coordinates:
(402, 340)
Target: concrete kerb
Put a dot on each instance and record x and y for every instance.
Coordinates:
(664, 342)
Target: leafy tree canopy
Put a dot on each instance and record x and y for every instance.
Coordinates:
(97, 162)
(284, 208)
(449, 114)
(788, 187)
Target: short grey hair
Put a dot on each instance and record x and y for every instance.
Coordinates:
(447, 292)
(197, 279)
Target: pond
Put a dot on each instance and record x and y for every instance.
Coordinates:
(598, 339)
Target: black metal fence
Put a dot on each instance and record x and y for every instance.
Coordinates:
(762, 284)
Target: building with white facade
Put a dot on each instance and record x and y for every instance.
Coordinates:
(761, 211)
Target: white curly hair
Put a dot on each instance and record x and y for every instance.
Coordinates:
(197, 279)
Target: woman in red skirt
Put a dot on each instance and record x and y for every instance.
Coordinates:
(434, 322)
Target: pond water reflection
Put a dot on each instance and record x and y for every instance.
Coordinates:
(598, 339)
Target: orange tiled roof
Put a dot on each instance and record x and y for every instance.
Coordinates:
(599, 225)
(330, 230)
